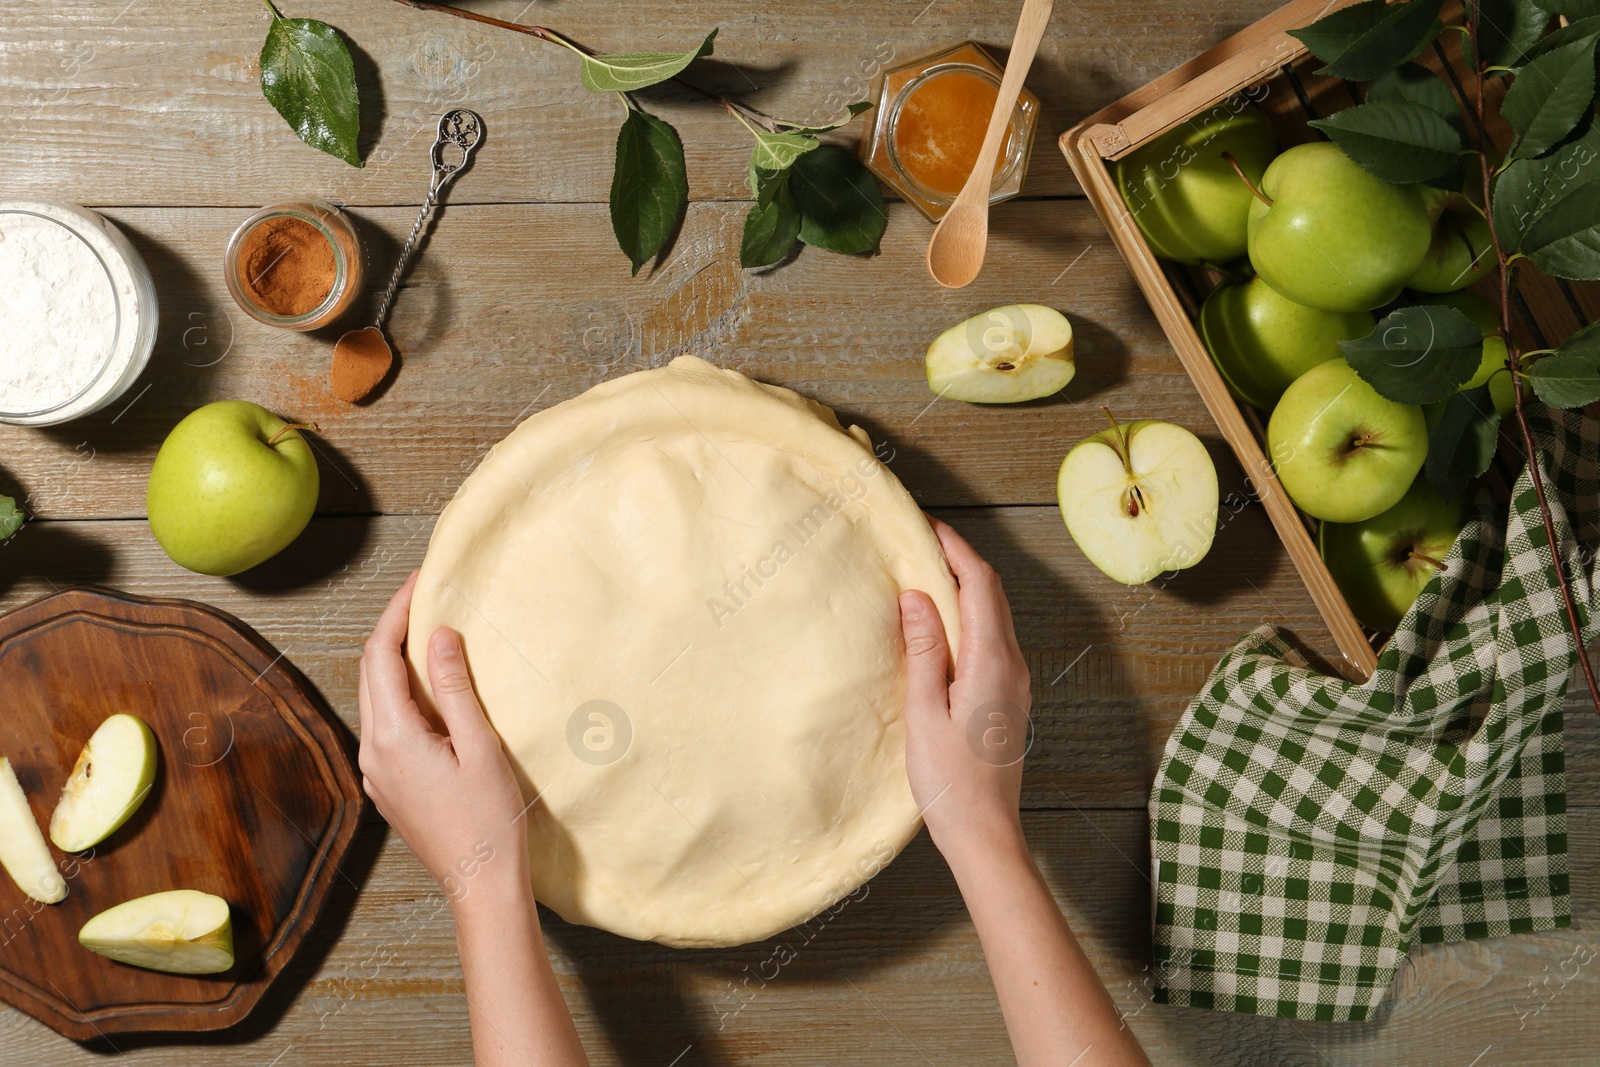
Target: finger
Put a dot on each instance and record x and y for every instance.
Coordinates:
(463, 716)
(363, 699)
(927, 657)
(388, 683)
(985, 614)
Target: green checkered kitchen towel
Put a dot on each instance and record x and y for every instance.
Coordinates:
(1305, 831)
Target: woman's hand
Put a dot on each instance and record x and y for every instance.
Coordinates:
(453, 798)
(965, 739)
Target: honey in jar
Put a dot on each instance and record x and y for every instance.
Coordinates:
(930, 120)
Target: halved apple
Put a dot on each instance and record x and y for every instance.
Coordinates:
(23, 852)
(180, 931)
(1140, 499)
(112, 777)
(1004, 356)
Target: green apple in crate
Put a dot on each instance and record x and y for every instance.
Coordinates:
(232, 485)
(1140, 499)
(1185, 198)
(1262, 341)
(180, 931)
(1462, 249)
(111, 778)
(23, 852)
(1341, 451)
(1327, 234)
(1382, 563)
(1004, 356)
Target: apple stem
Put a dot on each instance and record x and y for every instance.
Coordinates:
(1438, 564)
(1122, 440)
(1248, 184)
(287, 427)
(1503, 261)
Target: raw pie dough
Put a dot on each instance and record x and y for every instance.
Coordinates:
(678, 597)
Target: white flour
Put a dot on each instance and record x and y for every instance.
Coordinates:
(58, 314)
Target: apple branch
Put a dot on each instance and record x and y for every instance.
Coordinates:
(1513, 364)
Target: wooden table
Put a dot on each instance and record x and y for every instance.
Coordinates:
(151, 113)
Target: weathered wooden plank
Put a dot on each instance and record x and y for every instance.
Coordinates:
(894, 977)
(107, 101)
(513, 308)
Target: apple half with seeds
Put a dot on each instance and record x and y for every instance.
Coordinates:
(112, 777)
(180, 931)
(1140, 499)
(23, 852)
(1004, 356)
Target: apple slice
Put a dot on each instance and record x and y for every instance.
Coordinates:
(26, 857)
(108, 783)
(180, 931)
(1140, 499)
(1013, 353)
(1380, 565)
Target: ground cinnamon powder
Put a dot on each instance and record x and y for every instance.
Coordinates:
(361, 361)
(287, 266)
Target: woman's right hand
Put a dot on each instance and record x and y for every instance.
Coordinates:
(965, 739)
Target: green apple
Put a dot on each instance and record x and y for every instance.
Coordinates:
(1343, 452)
(232, 485)
(180, 931)
(1140, 499)
(1184, 197)
(112, 777)
(1334, 237)
(1261, 341)
(1382, 563)
(23, 852)
(1462, 249)
(1013, 353)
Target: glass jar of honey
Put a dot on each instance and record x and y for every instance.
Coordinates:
(928, 125)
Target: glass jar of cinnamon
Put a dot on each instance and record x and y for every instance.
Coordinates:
(928, 126)
(295, 264)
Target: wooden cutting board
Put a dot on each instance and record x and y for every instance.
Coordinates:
(255, 800)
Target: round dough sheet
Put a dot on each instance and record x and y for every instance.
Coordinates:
(678, 595)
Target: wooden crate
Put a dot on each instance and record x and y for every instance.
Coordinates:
(1263, 64)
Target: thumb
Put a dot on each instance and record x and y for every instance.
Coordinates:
(927, 655)
(452, 692)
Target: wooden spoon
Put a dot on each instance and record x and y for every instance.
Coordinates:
(955, 251)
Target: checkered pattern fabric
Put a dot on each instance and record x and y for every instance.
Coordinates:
(1306, 831)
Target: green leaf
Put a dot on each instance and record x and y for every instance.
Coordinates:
(630, 71)
(1528, 188)
(1418, 355)
(1461, 445)
(650, 187)
(841, 208)
(1549, 97)
(1413, 84)
(1565, 380)
(1585, 344)
(1564, 240)
(308, 76)
(1564, 35)
(11, 517)
(1572, 8)
(773, 225)
(778, 151)
(1394, 140)
(853, 110)
(1364, 41)
(1509, 29)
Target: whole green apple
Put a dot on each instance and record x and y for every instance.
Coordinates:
(232, 485)
(1261, 340)
(1381, 564)
(1343, 452)
(1462, 250)
(1334, 237)
(1185, 198)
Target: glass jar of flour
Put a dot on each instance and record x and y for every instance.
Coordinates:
(77, 312)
